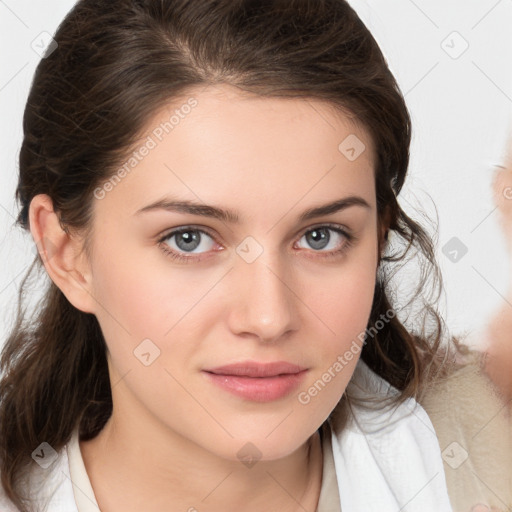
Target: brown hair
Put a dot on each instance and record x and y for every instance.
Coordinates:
(116, 63)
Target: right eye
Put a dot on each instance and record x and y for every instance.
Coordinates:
(186, 240)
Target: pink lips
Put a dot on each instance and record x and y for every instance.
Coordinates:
(259, 382)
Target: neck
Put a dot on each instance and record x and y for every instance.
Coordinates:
(129, 470)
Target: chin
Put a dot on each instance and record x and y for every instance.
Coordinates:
(262, 446)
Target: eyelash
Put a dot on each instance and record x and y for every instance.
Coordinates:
(350, 239)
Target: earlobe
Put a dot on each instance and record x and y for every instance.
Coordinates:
(61, 254)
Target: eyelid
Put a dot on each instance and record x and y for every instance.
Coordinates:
(333, 225)
(186, 227)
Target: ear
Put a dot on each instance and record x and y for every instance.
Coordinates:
(61, 254)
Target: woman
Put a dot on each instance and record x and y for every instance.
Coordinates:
(211, 186)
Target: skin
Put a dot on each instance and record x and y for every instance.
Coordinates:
(173, 436)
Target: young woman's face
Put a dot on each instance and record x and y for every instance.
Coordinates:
(182, 291)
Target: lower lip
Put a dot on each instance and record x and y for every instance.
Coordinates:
(258, 389)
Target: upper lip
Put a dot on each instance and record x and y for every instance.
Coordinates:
(255, 369)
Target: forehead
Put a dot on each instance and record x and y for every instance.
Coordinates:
(229, 108)
(222, 144)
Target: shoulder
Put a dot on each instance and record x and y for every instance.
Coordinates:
(467, 386)
(473, 425)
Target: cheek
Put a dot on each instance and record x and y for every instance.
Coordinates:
(152, 303)
(342, 298)
(335, 364)
(342, 302)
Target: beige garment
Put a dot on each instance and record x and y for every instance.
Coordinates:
(84, 496)
(329, 500)
(473, 425)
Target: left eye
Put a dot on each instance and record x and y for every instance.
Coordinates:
(320, 237)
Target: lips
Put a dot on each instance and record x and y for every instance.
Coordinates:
(257, 382)
(254, 369)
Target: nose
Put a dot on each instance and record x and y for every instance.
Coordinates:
(264, 305)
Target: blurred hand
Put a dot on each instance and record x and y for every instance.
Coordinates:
(499, 329)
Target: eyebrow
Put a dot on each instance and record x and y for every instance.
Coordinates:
(230, 216)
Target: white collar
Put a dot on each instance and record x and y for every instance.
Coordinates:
(387, 458)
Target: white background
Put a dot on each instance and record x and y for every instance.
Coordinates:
(461, 110)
